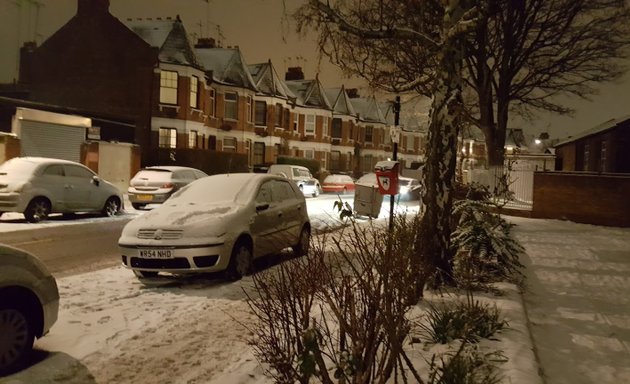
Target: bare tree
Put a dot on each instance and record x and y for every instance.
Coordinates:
(408, 46)
(532, 50)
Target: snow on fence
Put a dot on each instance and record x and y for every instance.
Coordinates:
(520, 185)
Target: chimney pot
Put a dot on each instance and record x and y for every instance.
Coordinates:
(92, 7)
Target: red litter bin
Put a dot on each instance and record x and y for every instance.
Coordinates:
(387, 177)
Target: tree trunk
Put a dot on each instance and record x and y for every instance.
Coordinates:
(433, 244)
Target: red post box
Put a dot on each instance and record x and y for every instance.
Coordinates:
(387, 177)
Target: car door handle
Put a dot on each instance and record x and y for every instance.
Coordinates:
(69, 186)
(279, 214)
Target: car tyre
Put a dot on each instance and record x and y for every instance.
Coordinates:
(37, 210)
(304, 241)
(16, 337)
(137, 206)
(144, 274)
(112, 207)
(241, 261)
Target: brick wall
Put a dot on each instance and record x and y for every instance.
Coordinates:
(582, 197)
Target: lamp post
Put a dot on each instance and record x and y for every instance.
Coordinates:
(395, 134)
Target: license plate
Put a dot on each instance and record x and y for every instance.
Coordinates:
(145, 197)
(156, 253)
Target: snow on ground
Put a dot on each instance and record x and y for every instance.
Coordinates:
(113, 329)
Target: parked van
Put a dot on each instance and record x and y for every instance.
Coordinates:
(300, 175)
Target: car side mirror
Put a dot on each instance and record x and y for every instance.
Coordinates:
(262, 207)
(96, 180)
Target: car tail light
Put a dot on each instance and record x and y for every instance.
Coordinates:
(168, 185)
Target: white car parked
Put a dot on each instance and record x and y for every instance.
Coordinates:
(29, 304)
(218, 223)
(299, 175)
(38, 186)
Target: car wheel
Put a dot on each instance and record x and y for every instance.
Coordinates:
(112, 207)
(241, 263)
(145, 274)
(37, 210)
(301, 248)
(16, 337)
(137, 206)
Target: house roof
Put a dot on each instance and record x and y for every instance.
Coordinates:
(368, 110)
(268, 82)
(612, 123)
(310, 93)
(169, 36)
(227, 66)
(340, 101)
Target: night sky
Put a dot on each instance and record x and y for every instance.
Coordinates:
(261, 30)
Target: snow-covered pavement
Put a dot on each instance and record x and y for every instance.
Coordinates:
(578, 299)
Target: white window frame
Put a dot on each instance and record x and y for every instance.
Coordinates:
(309, 154)
(167, 137)
(309, 126)
(260, 103)
(194, 92)
(213, 103)
(230, 102)
(193, 139)
(296, 121)
(169, 81)
(250, 109)
(325, 127)
(231, 147)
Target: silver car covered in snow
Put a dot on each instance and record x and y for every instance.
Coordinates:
(38, 186)
(218, 223)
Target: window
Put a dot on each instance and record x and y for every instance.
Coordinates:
(213, 105)
(278, 121)
(261, 113)
(264, 193)
(194, 92)
(586, 156)
(168, 138)
(334, 160)
(309, 125)
(296, 119)
(336, 128)
(325, 126)
(259, 153)
(76, 171)
(229, 144)
(54, 170)
(368, 134)
(604, 155)
(250, 112)
(309, 154)
(193, 137)
(168, 87)
(231, 105)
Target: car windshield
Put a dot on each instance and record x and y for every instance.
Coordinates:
(19, 168)
(216, 188)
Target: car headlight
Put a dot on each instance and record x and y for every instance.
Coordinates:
(404, 190)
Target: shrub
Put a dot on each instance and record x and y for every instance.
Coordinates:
(468, 321)
(339, 313)
(466, 366)
(484, 249)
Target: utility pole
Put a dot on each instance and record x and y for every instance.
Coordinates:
(395, 133)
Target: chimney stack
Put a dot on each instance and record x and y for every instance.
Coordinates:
(205, 42)
(294, 73)
(353, 93)
(92, 7)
